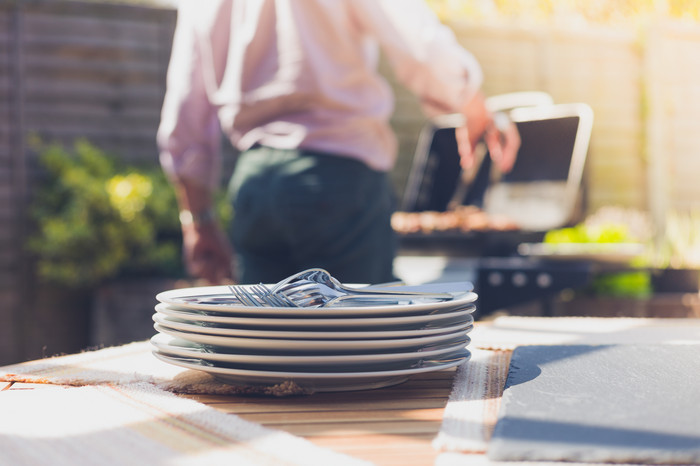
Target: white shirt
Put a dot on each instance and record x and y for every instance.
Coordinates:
(302, 74)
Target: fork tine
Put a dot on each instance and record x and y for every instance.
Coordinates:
(241, 299)
(298, 290)
(287, 301)
(251, 298)
(235, 293)
(244, 297)
(262, 296)
(272, 299)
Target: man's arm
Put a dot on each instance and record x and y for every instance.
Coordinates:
(428, 59)
(188, 139)
(206, 250)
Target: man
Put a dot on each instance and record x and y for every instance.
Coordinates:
(293, 84)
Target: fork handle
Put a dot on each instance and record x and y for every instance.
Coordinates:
(383, 297)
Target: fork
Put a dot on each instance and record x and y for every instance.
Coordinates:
(303, 297)
(261, 297)
(375, 300)
(318, 295)
(334, 288)
(299, 297)
(317, 288)
(245, 297)
(276, 300)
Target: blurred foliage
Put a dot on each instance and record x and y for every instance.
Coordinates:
(611, 224)
(97, 218)
(614, 226)
(604, 12)
(635, 284)
(680, 246)
(583, 233)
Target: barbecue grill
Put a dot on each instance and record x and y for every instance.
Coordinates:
(545, 190)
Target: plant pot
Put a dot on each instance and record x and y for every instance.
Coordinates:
(57, 321)
(123, 309)
(676, 280)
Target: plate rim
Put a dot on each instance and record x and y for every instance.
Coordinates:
(167, 297)
(317, 375)
(313, 358)
(310, 345)
(307, 334)
(359, 321)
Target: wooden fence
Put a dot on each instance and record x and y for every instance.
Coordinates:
(71, 69)
(68, 70)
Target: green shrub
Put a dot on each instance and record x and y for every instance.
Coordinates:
(97, 218)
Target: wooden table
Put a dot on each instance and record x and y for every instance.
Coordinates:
(396, 425)
(387, 426)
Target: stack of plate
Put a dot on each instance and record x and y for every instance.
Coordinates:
(318, 349)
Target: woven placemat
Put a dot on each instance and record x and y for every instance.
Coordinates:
(140, 424)
(130, 363)
(472, 409)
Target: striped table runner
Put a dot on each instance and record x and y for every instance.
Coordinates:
(129, 363)
(139, 424)
(472, 409)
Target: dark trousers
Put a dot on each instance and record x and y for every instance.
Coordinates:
(296, 209)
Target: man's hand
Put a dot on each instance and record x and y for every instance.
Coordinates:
(207, 253)
(502, 139)
(206, 250)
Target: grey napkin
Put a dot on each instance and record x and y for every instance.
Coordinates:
(607, 403)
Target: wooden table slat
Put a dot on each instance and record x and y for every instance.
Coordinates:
(304, 417)
(391, 426)
(235, 407)
(361, 428)
(382, 394)
(396, 457)
(361, 441)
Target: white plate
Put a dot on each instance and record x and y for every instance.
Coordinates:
(219, 298)
(177, 347)
(335, 368)
(394, 322)
(322, 334)
(289, 346)
(310, 381)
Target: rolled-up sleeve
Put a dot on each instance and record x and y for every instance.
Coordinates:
(423, 53)
(189, 134)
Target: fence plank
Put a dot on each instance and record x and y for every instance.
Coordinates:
(111, 32)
